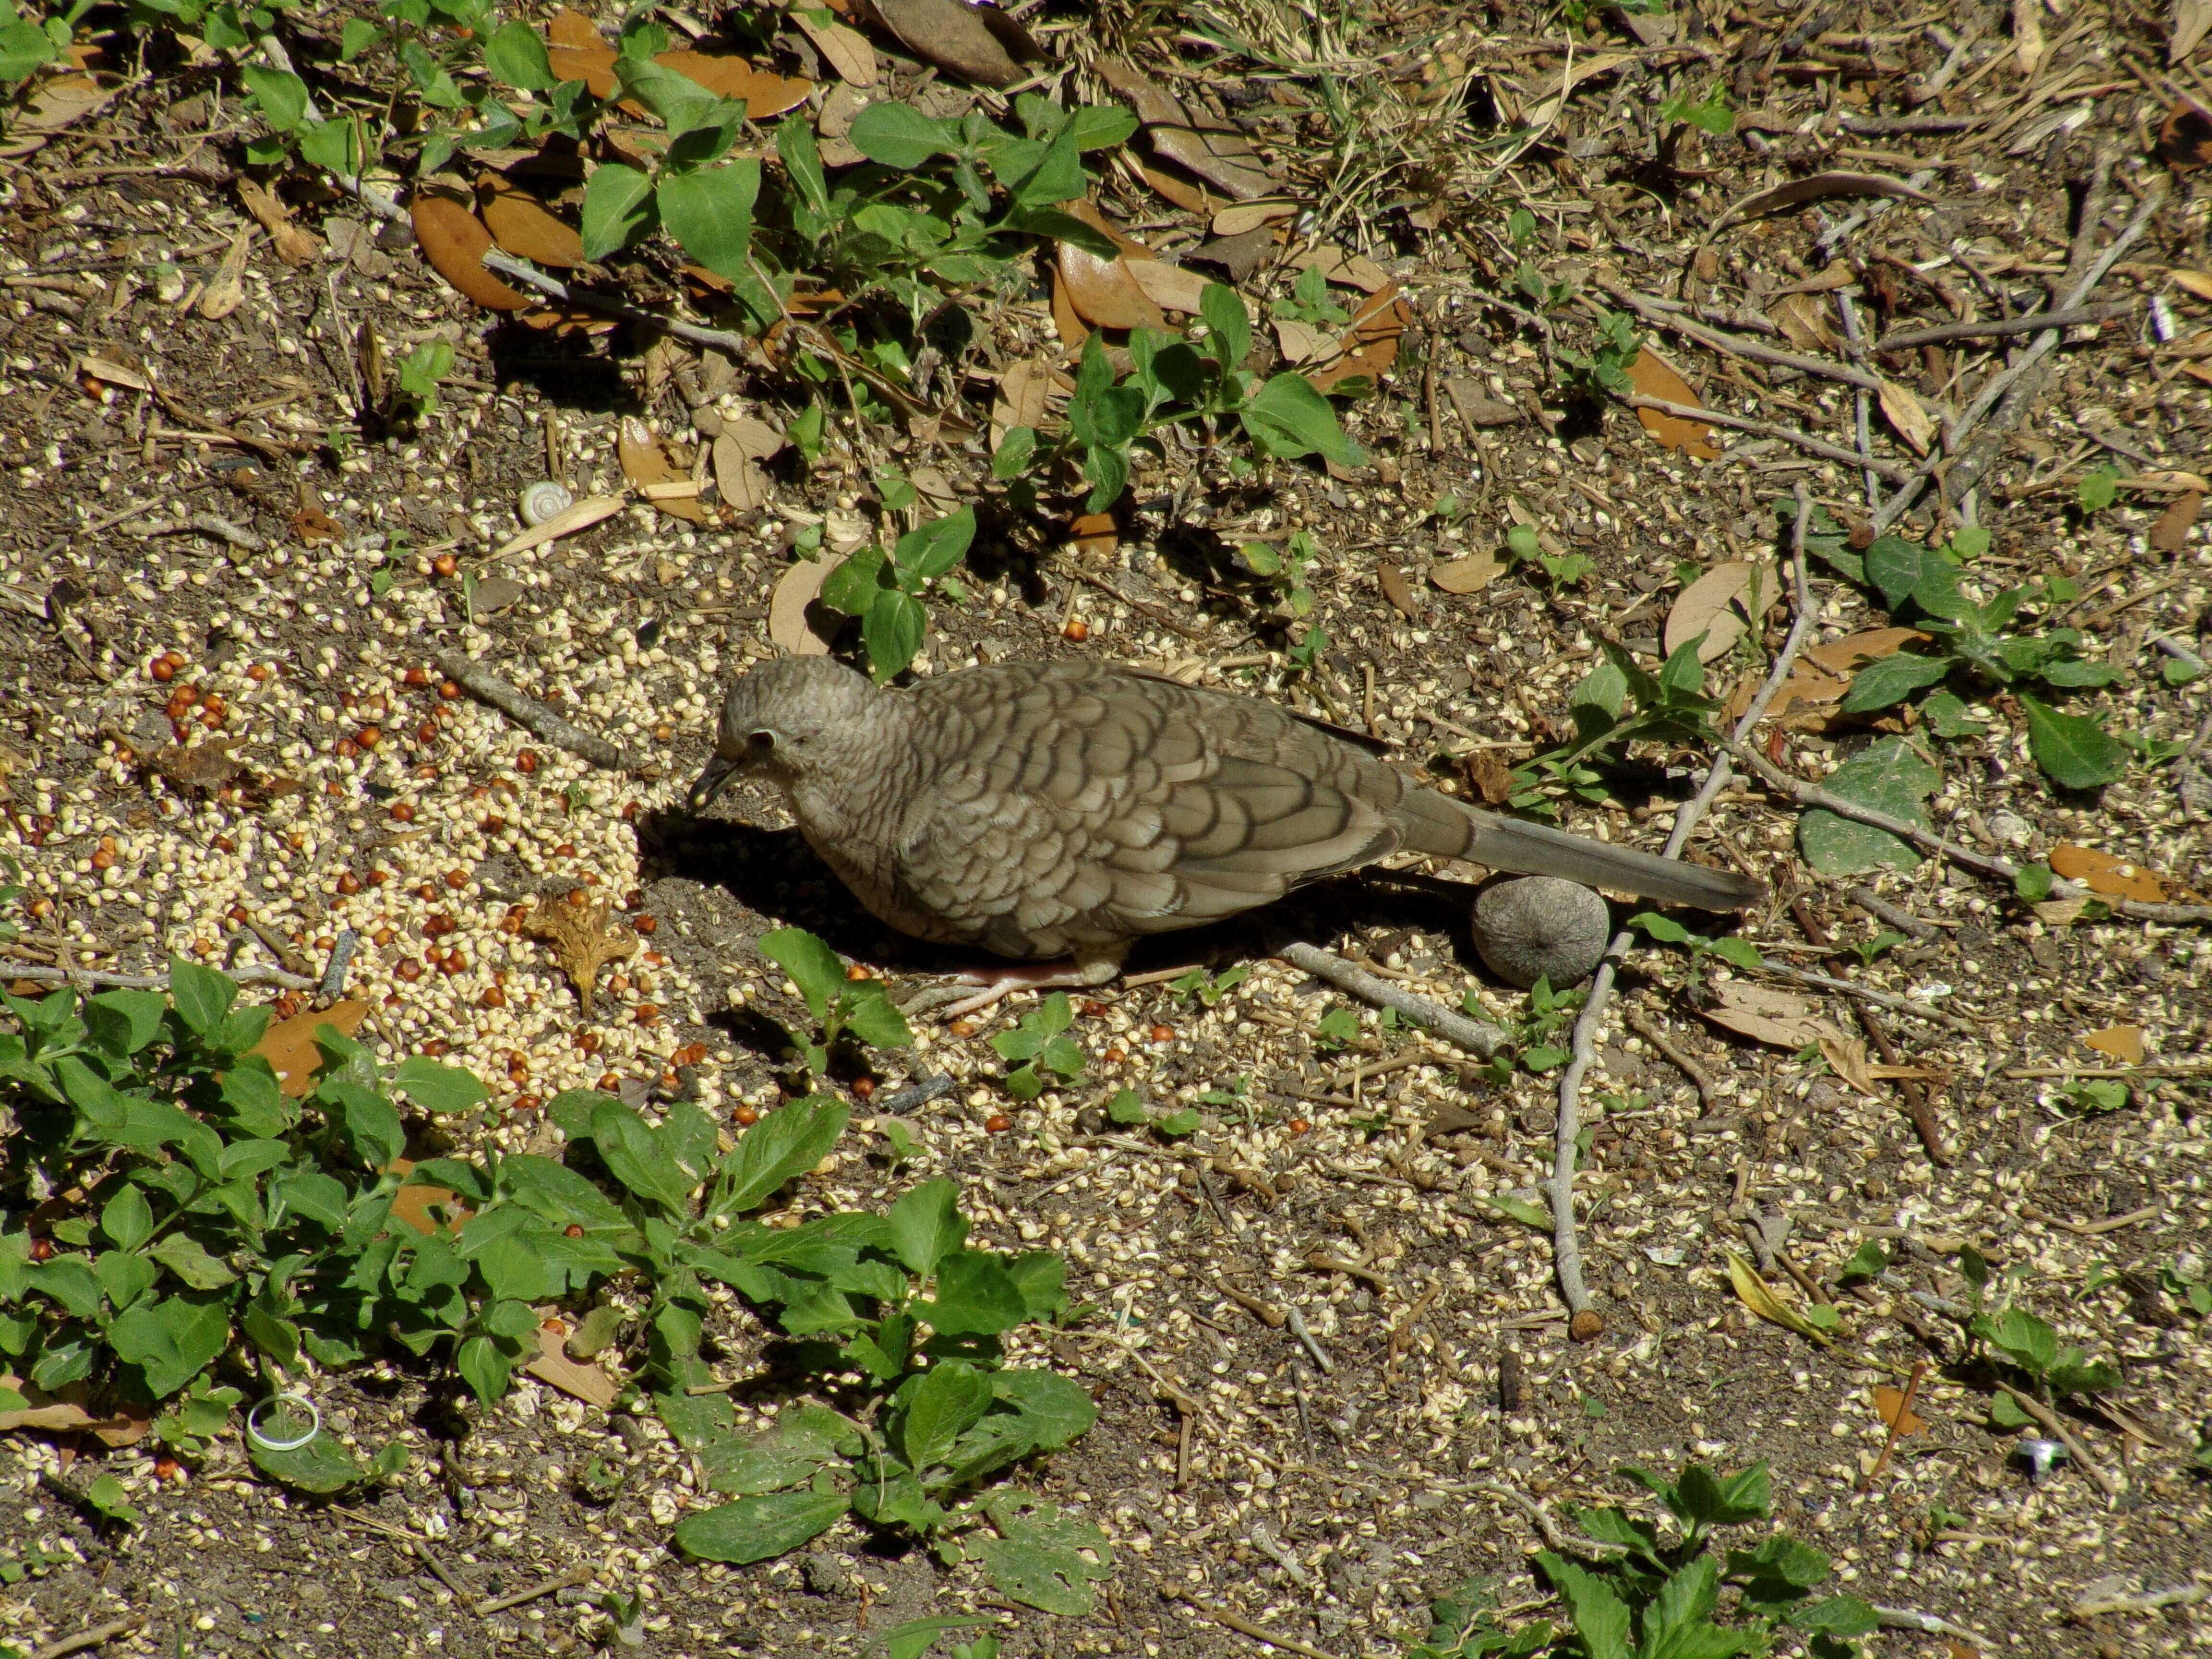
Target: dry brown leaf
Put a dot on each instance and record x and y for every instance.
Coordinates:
(1766, 1015)
(294, 246)
(2190, 19)
(726, 76)
(2171, 533)
(1855, 651)
(1554, 96)
(1191, 198)
(1721, 604)
(1906, 415)
(455, 240)
(1804, 322)
(2104, 874)
(2123, 1043)
(1202, 144)
(739, 448)
(1397, 590)
(520, 223)
(1297, 341)
(312, 527)
(1021, 398)
(1653, 376)
(2062, 913)
(62, 1416)
(1369, 348)
(2027, 43)
(1171, 287)
(1477, 407)
(788, 628)
(1105, 293)
(1839, 273)
(2198, 283)
(1350, 270)
(551, 1365)
(581, 941)
(977, 43)
(107, 367)
(63, 101)
(571, 28)
(1491, 777)
(427, 1207)
(1847, 1059)
(1094, 533)
(651, 463)
(845, 50)
(2185, 140)
(289, 1046)
(566, 522)
(226, 290)
(1251, 215)
(1468, 576)
(1889, 1406)
(1067, 323)
(1815, 187)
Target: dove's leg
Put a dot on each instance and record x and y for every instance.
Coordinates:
(994, 983)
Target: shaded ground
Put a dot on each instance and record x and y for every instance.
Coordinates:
(1327, 1505)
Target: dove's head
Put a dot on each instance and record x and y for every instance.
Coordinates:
(793, 718)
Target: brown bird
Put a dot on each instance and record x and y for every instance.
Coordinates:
(1051, 811)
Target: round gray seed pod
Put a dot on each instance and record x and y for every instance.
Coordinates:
(1541, 927)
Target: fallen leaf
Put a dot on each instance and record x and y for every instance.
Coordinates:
(739, 448)
(1491, 777)
(2123, 1043)
(289, 1046)
(1854, 651)
(105, 367)
(550, 1364)
(1191, 198)
(63, 101)
(1251, 215)
(1171, 287)
(1838, 273)
(2190, 19)
(1468, 575)
(2061, 913)
(455, 240)
(1298, 341)
(2171, 533)
(2103, 873)
(1553, 98)
(294, 246)
(1889, 1406)
(1367, 348)
(2198, 283)
(226, 290)
(1815, 187)
(1766, 1015)
(581, 941)
(1347, 269)
(520, 223)
(1094, 533)
(1240, 255)
(845, 50)
(569, 28)
(1202, 144)
(1906, 416)
(1847, 1059)
(1105, 293)
(2027, 42)
(1721, 604)
(788, 628)
(312, 527)
(59, 1415)
(1397, 590)
(1068, 323)
(566, 522)
(650, 463)
(1756, 1295)
(1653, 376)
(1803, 322)
(426, 1207)
(1021, 398)
(764, 92)
(1475, 406)
(977, 43)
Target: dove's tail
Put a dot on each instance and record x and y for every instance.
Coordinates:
(1438, 825)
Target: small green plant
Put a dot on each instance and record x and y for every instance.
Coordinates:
(1662, 930)
(2099, 488)
(1711, 113)
(1039, 1044)
(1868, 1263)
(1534, 1049)
(2091, 1096)
(1128, 1107)
(625, 1616)
(1310, 302)
(1463, 1625)
(1336, 1031)
(108, 1499)
(918, 1637)
(2013, 1339)
(1287, 571)
(1604, 367)
(1868, 949)
(885, 590)
(1305, 658)
(842, 1007)
(415, 389)
(2186, 1280)
(1527, 547)
(1208, 990)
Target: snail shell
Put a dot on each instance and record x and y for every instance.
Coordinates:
(541, 501)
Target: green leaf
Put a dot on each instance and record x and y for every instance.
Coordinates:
(1891, 680)
(927, 1225)
(323, 1466)
(1228, 325)
(485, 1367)
(1839, 1615)
(123, 1022)
(633, 1155)
(1599, 1617)
(2073, 750)
(1056, 1410)
(899, 135)
(282, 98)
(437, 1088)
(1519, 1210)
(709, 212)
(1740, 951)
(127, 1218)
(1947, 716)
(785, 1143)
(187, 1257)
(1286, 416)
(2033, 882)
(934, 547)
(1662, 930)
(893, 630)
(356, 38)
(874, 1018)
(1015, 453)
(516, 57)
(107, 1495)
(756, 1529)
(619, 209)
(938, 1406)
(1043, 1558)
(975, 1296)
(172, 1340)
(2099, 488)
(24, 50)
(1896, 567)
(815, 969)
(2005, 1412)
(202, 995)
(1891, 777)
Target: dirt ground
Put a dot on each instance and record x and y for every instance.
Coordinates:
(1327, 1489)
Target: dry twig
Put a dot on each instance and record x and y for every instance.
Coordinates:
(528, 713)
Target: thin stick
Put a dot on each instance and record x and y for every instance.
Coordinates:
(1736, 346)
(1987, 864)
(1243, 1626)
(568, 1580)
(1585, 1323)
(528, 713)
(98, 1635)
(1927, 1623)
(1805, 441)
(1478, 1037)
(1707, 1090)
(1997, 327)
(2048, 1419)
(1896, 915)
(1862, 432)
(1901, 1005)
(1896, 1425)
(251, 973)
(1540, 1517)
(1916, 1096)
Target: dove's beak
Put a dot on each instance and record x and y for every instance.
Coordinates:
(720, 768)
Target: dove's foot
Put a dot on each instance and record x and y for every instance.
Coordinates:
(993, 983)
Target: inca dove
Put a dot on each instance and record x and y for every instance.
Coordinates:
(1054, 809)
